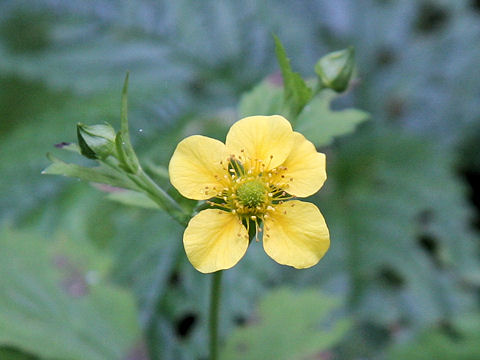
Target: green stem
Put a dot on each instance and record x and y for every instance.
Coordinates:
(214, 309)
(155, 192)
(161, 197)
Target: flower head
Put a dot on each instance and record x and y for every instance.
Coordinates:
(252, 180)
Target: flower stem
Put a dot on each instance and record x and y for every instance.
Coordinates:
(152, 190)
(162, 198)
(214, 309)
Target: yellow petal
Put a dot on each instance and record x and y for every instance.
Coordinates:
(261, 137)
(195, 169)
(215, 240)
(296, 234)
(305, 168)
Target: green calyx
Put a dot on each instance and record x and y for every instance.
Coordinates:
(96, 141)
(252, 193)
(335, 70)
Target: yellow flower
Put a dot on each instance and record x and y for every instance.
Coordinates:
(252, 179)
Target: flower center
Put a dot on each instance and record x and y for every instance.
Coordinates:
(252, 193)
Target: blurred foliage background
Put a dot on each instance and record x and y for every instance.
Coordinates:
(84, 277)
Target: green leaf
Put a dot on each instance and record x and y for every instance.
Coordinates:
(98, 174)
(321, 124)
(55, 303)
(11, 354)
(264, 99)
(297, 93)
(133, 198)
(127, 158)
(290, 325)
(460, 342)
(391, 197)
(125, 151)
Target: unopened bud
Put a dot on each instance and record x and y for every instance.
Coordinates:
(336, 68)
(96, 141)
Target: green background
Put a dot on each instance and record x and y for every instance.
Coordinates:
(85, 277)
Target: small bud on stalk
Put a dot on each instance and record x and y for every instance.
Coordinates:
(96, 141)
(335, 69)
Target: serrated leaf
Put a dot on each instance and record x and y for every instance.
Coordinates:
(384, 183)
(98, 174)
(53, 305)
(297, 93)
(291, 325)
(322, 125)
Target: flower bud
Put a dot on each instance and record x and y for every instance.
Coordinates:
(96, 141)
(335, 69)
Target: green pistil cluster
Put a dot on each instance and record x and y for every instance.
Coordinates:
(252, 193)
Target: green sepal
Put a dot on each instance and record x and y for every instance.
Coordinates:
(96, 141)
(297, 94)
(336, 68)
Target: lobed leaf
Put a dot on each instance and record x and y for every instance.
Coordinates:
(322, 125)
(290, 325)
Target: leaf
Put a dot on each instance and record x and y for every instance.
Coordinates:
(290, 325)
(460, 343)
(388, 198)
(11, 354)
(264, 99)
(99, 174)
(133, 198)
(322, 125)
(55, 305)
(297, 93)
(126, 154)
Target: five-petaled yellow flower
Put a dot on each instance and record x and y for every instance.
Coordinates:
(251, 179)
